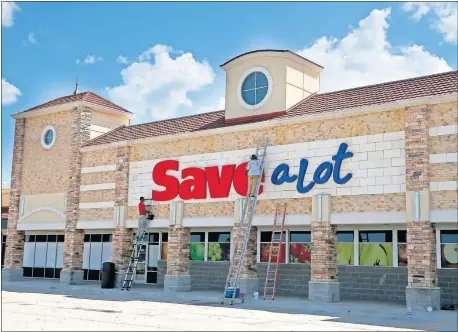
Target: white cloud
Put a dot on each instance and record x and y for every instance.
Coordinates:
(10, 93)
(445, 15)
(219, 105)
(89, 60)
(156, 86)
(31, 38)
(122, 59)
(8, 9)
(365, 56)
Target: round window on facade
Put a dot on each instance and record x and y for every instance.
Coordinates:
(255, 88)
(48, 137)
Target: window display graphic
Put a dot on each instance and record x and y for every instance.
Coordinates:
(265, 250)
(219, 252)
(164, 251)
(402, 254)
(376, 254)
(345, 253)
(449, 254)
(300, 253)
(197, 251)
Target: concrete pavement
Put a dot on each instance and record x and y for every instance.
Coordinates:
(46, 305)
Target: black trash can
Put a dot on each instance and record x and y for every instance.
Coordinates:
(108, 275)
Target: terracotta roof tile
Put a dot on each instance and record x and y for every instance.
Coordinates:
(83, 96)
(432, 85)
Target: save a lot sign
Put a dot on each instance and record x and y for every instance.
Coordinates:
(219, 183)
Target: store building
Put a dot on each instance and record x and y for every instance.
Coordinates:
(5, 207)
(369, 176)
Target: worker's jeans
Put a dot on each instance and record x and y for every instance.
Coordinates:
(142, 222)
(252, 181)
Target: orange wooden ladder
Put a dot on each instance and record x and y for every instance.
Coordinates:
(272, 274)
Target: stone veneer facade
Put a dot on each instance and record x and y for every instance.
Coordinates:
(73, 249)
(15, 238)
(178, 277)
(122, 236)
(422, 290)
(385, 180)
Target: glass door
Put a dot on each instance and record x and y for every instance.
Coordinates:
(140, 275)
(153, 257)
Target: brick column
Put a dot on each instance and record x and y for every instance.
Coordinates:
(422, 291)
(178, 277)
(248, 279)
(122, 236)
(72, 272)
(14, 251)
(323, 284)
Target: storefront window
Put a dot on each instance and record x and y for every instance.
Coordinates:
(402, 248)
(3, 249)
(300, 247)
(43, 256)
(97, 250)
(197, 246)
(345, 248)
(219, 246)
(449, 249)
(376, 248)
(165, 240)
(265, 247)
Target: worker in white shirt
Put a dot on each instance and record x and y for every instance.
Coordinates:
(254, 171)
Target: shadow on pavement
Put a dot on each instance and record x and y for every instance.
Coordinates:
(385, 314)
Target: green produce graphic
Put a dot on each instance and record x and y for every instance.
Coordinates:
(197, 251)
(376, 254)
(345, 253)
(214, 252)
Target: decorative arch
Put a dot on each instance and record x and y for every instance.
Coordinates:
(58, 212)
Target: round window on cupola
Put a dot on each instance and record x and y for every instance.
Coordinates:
(255, 87)
(48, 137)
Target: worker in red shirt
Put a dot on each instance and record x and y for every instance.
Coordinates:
(142, 221)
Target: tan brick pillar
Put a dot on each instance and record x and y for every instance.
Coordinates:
(178, 277)
(422, 291)
(323, 284)
(122, 236)
(72, 272)
(248, 279)
(14, 251)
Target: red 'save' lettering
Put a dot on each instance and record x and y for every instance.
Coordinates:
(220, 186)
(194, 185)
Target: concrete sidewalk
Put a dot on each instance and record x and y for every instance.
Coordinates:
(114, 309)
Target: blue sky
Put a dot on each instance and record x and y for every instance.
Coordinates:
(162, 60)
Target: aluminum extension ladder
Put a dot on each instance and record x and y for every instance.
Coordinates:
(272, 274)
(137, 252)
(231, 291)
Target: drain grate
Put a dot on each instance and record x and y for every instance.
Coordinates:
(99, 310)
(197, 302)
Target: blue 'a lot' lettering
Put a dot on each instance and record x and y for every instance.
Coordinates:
(321, 175)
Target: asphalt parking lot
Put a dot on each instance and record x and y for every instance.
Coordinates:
(47, 306)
